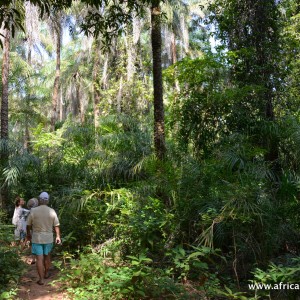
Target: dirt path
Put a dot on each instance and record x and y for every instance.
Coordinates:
(30, 290)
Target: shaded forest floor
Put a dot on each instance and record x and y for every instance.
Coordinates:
(29, 289)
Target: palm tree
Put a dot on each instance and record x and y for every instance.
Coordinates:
(156, 41)
(78, 75)
(99, 80)
(56, 25)
(131, 42)
(32, 38)
(5, 74)
(57, 22)
(96, 82)
(4, 111)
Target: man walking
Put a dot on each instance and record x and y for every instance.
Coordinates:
(41, 221)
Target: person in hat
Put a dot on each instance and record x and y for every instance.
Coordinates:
(41, 221)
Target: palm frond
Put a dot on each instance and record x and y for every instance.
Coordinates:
(18, 161)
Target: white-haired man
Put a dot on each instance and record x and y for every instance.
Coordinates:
(41, 221)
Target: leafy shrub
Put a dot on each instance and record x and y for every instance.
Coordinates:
(195, 265)
(142, 222)
(94, 277)
(287, 273)
(10, 264)
(124, 214)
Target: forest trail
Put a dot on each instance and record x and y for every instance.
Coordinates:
(28, 288)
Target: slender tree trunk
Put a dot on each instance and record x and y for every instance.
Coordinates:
(130, 57)
(185, 35)
(266, 71)
(119, 96)
(81, 100)
(27, 132)
(4, 113)
(5, 74)
(62, 108)
(156, 40)
(132, 40)
(56, 87)
(136, 33)
(76, 102)
(96, 83)
(173, 48)
(174, 60)
(104, 79)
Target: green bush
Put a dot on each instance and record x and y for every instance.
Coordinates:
(11, 265)
(286, 272)
(128, 215)
(94, 277)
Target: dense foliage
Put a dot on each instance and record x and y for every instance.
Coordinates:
(10, 264)
(220, 210)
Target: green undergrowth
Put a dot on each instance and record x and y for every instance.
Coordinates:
(95, 277)
(105, 274)
(11, 265)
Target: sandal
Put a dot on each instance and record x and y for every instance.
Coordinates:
(40, 282)
(47, 276)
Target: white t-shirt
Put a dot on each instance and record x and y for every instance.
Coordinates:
(42, 219)
(17, 214)
(19, 220)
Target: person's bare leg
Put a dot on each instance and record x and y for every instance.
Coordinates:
(40, 268)
(47, 263)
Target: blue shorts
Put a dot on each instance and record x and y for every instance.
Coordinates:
(41, 249)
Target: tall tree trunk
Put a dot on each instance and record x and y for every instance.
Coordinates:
(56, 87)
(76, 98)
(5, 74)
(27, 132)
(174, 60)
(173, 48)
(119, 96)
(81, 100)
(62, 108)
(4, 113)
(267, 71)
(104, 80)
(32, 29)
(156, 40)
(130, 56)
(96, 83)
(132, 40)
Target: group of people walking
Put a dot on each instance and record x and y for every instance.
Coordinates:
(35, 225)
